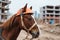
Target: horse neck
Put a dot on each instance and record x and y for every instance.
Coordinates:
(11, 32)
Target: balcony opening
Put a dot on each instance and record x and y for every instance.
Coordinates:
(51, 7)
(3, 10)
(3, 16)
(47, 15)
(56, 11)
(50, 11)
(56, 7)
(51, 15)
(56, 15)
(43, 15)
(43, 11)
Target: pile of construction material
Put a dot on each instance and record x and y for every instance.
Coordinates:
(50, 32)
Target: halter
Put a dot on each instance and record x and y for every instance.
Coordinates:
(25, 26)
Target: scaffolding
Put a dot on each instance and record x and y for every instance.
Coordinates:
(4, 10)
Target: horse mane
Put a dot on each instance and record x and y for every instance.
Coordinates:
(8, 22)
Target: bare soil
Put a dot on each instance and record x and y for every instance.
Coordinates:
(46, 33)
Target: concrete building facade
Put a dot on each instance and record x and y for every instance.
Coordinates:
(51, 14)
(4, 10)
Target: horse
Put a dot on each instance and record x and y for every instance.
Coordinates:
(22, 20)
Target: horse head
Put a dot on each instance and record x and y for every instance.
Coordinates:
(28, 22)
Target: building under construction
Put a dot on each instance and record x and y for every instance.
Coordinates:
(51, 14)
(4, 10)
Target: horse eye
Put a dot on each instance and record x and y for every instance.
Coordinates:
(29, 18)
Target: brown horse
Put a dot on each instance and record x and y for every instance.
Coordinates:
(22, 20)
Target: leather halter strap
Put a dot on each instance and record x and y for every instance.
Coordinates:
(25, 26)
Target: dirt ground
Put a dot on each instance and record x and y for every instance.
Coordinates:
(46, 33)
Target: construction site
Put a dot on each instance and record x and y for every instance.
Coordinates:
(49, 25)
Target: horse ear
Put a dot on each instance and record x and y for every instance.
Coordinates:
(31, 7)
(24, 9)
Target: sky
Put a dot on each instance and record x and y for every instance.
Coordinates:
(15, 5)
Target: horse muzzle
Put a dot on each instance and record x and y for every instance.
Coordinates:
(35, 34)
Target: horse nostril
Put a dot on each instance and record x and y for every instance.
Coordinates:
(38, 33)
(35, 34)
